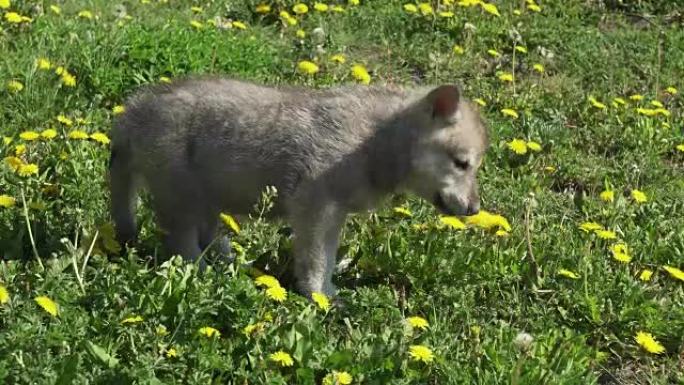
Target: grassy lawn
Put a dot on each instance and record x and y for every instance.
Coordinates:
(586, 164)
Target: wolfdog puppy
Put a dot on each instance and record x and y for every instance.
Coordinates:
(208, 145)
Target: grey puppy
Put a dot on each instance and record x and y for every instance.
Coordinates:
(208, 145)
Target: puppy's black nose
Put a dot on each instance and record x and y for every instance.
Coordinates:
(473, 209)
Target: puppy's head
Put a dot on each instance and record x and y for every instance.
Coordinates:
(450, 142)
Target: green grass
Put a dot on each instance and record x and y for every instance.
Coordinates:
(477, 290)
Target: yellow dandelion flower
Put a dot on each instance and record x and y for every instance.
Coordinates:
(619, 101)
(164, 79)
(538, 67)
(132, 320)
(568, 274)
(29, 135)
(14, 86)
(281, 358)
(171, 353)
(534, 146)
(596, 103)
(48, 134)
(647, 111)
(6, 201)
(118, 110)
(452, 222)
(680, 147)
(337, 378)
(446, 14)
(13, 17)
(78, 135)
(209, 331)
(469, 3)
(100, 137)
(321, 7)
(300, 33)
(501, 233)
(493, 52)
(480, 101)
(506, 77)
(639, 196)
(300, 8)
(307, 67)
(13, 162)
(56, 9)
(253, 328)
(4, 295)
(28, 169)
(267, 281)
(230, 222)
(196, 24)
(490, 8)
(85, 14)
(360, 73)
(64, 120)
(517, 12)
(636, 97)
(4, 4)
(675, 272)
(276, 293)
(263, 8)
(239, 25)
(510, 112)
(418, 322)
(534, 7)
(196, 9)
(646, 275)
(518, 146)
(520, 49)
(19, 149)
(43, 64)
(410, 8)
(354, 2)
(487, 220)
(671, 90)
(68, 79)
(607, 195)
(458, 50)
(288, 18)
(657, 104)
(338, 58)
(590, 226)
(321, 300)
(421, 353)
(620, 253)
(48, 305)
(649, 343)
(605, 234)
(403, 211)
(161, 331)
(425, 9)
(550, 169)
(7, 140)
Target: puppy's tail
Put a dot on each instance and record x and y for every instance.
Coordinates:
(122, 186)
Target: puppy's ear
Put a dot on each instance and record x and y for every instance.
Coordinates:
(443, 101)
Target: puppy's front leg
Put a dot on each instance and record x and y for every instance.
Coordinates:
(317, 232)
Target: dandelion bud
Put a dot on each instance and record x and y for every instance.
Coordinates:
(523, 341)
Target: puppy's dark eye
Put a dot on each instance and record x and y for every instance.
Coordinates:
(462, 164)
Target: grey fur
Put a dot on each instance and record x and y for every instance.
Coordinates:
(209, 145)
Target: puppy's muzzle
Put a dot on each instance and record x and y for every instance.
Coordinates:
(472, 208)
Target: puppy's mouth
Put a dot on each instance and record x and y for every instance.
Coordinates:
(439, 203)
